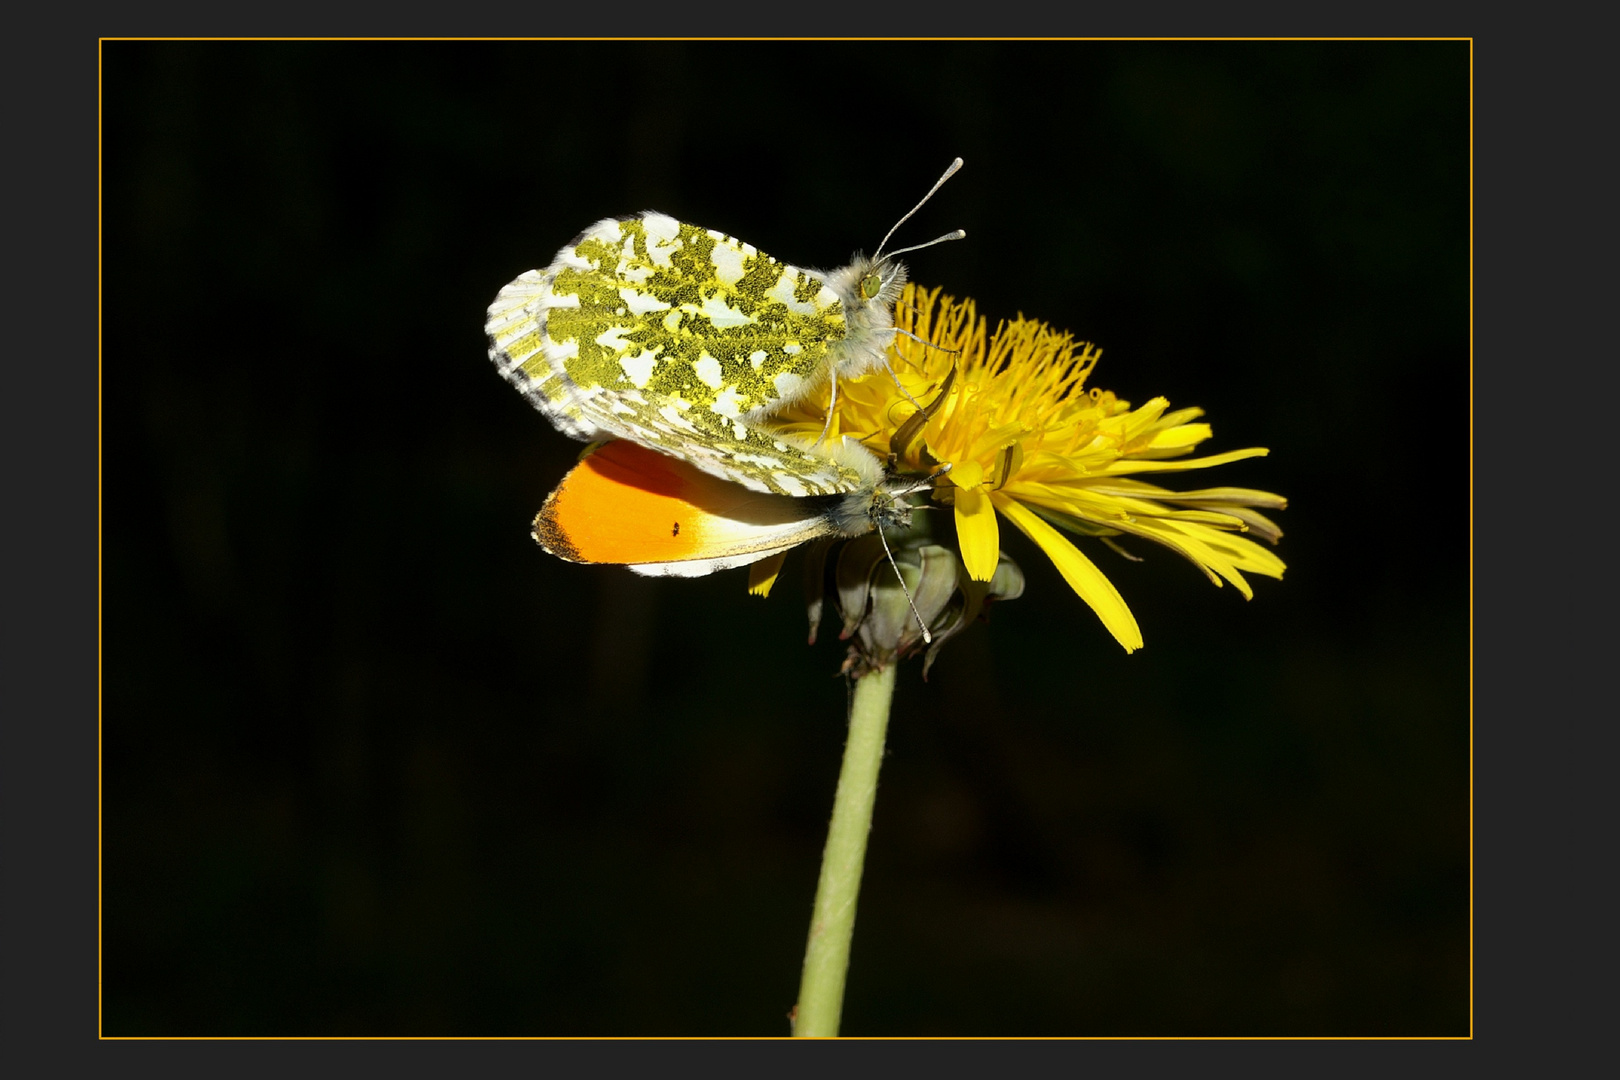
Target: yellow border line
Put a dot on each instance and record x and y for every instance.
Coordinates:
(794, 39)
(1470, 539)
(99, 450)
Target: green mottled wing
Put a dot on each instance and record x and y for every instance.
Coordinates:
(743, 453)
(515, 325)
(676, 337)
(672, 310)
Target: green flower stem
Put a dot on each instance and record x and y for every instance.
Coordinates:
(826, 955)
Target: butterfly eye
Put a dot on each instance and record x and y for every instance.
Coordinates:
(871, 285)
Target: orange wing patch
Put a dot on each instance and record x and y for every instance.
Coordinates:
(632, 506)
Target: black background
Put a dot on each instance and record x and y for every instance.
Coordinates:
(374, 764)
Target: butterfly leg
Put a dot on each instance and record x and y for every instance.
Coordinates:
(895, 375)
(832, 400)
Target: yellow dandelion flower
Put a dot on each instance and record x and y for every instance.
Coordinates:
(1025, 439)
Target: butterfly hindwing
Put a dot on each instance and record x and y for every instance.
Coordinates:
(515, 325)
(685, 339)
(678, 311)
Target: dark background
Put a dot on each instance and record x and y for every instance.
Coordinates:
(374, 764)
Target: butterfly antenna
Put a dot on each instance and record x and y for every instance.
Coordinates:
(922, 484)
(957, 164)
(955, 234)
(928, 639)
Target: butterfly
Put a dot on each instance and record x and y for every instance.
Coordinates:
(659, 515)
(683, 341)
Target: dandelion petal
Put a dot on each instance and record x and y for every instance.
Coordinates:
(1081, 574)
(977, 533)
(762, 574)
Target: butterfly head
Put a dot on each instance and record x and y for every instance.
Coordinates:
(882, 283)
(868, 285)
(882, 507)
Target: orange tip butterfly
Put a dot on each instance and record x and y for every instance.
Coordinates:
(658, 515)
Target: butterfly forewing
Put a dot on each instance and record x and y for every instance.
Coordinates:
(626, 504)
